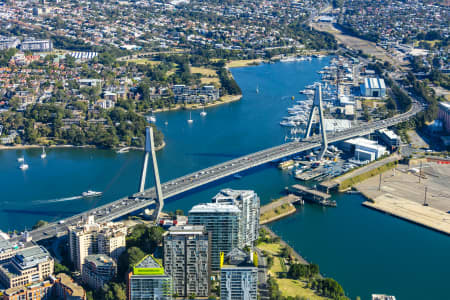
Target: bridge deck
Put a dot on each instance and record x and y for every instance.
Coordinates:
(182, 184)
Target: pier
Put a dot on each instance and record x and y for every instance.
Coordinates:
(279, 208)
(313, 195)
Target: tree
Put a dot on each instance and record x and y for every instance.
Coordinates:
(39, 223)
(128, 259)
(59, 268)
(179, 212)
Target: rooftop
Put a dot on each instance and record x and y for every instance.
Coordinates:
(100, 260)
(186, 229)
(445, 106)
(30, 257)
(77, 291)
(214, 208)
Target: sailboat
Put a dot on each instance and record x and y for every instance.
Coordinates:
(257, 89)
(43, 154)
(190, 118)
(23, 166)
(203, 113)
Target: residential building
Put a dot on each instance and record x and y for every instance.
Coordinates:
(238, 277)
(66, 288)
(222, 222)
(187, 259)
(7, 43)
(382, 297)
(444, 115)
(373, 87)
(93, 238)
(36, 45)
(98, 269)
(248, 202)
(39, 290)
(148, 281)
(185, 94)
(27, 266)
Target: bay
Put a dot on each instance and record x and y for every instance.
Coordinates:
(364, 250)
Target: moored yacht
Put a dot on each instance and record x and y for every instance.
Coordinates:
(23, 166)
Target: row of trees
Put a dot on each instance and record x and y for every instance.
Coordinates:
(298, 271)
(229, 85)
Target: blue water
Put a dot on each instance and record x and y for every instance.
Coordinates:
(366, 251)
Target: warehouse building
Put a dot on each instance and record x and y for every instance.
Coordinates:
(373, 87)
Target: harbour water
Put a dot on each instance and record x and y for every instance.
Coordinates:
(366, 251)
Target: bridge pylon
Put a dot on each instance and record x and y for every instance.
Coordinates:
(317, 105)
(150, 148)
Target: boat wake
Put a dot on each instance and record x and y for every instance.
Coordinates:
(58, 200)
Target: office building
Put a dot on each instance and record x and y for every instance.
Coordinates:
(222, 222)
(98, 269)
(93, 238)
(444, 115)
(248, 203)
(27, 266)
(36, 45)
(187, 260)
(238, 277)
(148, 281)
(373, 87)
(9, 249)
(389, 137)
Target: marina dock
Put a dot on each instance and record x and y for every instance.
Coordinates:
(313, 195)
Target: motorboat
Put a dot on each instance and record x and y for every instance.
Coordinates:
(123, 150)
(20, 159)
(307, 92)
(90, 193)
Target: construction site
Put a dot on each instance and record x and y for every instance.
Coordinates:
(420, 194)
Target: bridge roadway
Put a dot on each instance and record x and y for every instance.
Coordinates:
(188, 182)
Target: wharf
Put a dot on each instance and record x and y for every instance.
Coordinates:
(308, 175)
(279, 209)
(313, 195)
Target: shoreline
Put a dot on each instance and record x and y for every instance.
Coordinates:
(222, 100)
(24, 147)
(283, 243)
(280, 216)
(407, 210)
